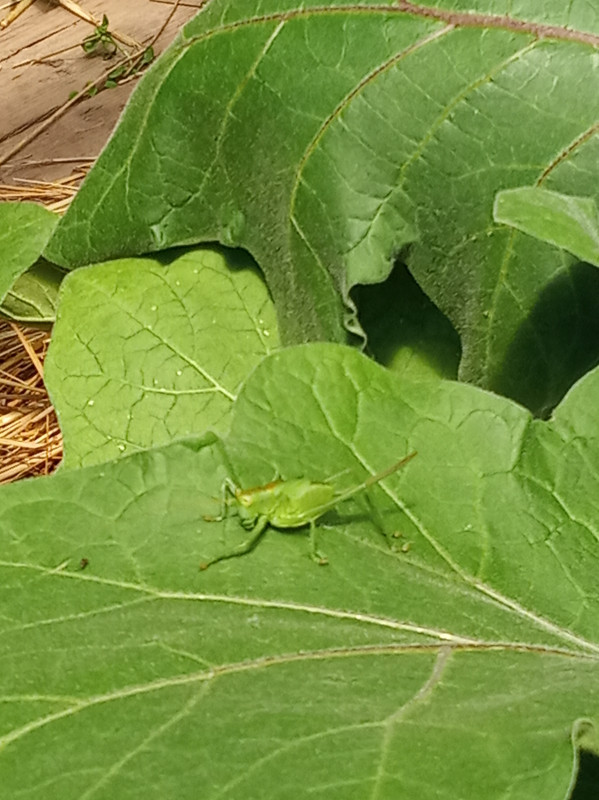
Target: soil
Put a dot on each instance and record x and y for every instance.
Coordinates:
(36, 79)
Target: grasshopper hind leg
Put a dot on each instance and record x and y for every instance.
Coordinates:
(378, 523)
(243, 548)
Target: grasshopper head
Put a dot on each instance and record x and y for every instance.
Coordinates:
(246, 506)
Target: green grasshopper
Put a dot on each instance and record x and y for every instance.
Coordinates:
(287, 504)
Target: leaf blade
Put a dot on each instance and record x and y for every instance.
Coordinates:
(145, 351)
(476, 640)
(571, 223)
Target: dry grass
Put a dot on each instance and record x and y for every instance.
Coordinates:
(30, 439)
(55, 195)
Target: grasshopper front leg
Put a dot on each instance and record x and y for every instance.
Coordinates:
(227, 486)
(244, 547)
(315, 555)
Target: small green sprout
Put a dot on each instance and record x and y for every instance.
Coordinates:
(286, 505)
(101, 41)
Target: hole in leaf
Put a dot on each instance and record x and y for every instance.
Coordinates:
(587, 781)
(405, 329)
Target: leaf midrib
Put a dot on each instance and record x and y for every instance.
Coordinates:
(585, 648)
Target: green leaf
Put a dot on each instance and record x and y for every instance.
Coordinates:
(90, 43)
(324, 138)
(563, 332)
(466, 666)
(34, 295)
(571, 223)
(25, 228)
(116, 73)
(145, 351)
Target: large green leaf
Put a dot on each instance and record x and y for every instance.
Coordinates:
(464, 666)
(145, 351)
(25, 229)
(325, 137)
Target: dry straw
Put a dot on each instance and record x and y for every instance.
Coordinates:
(30, 440)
